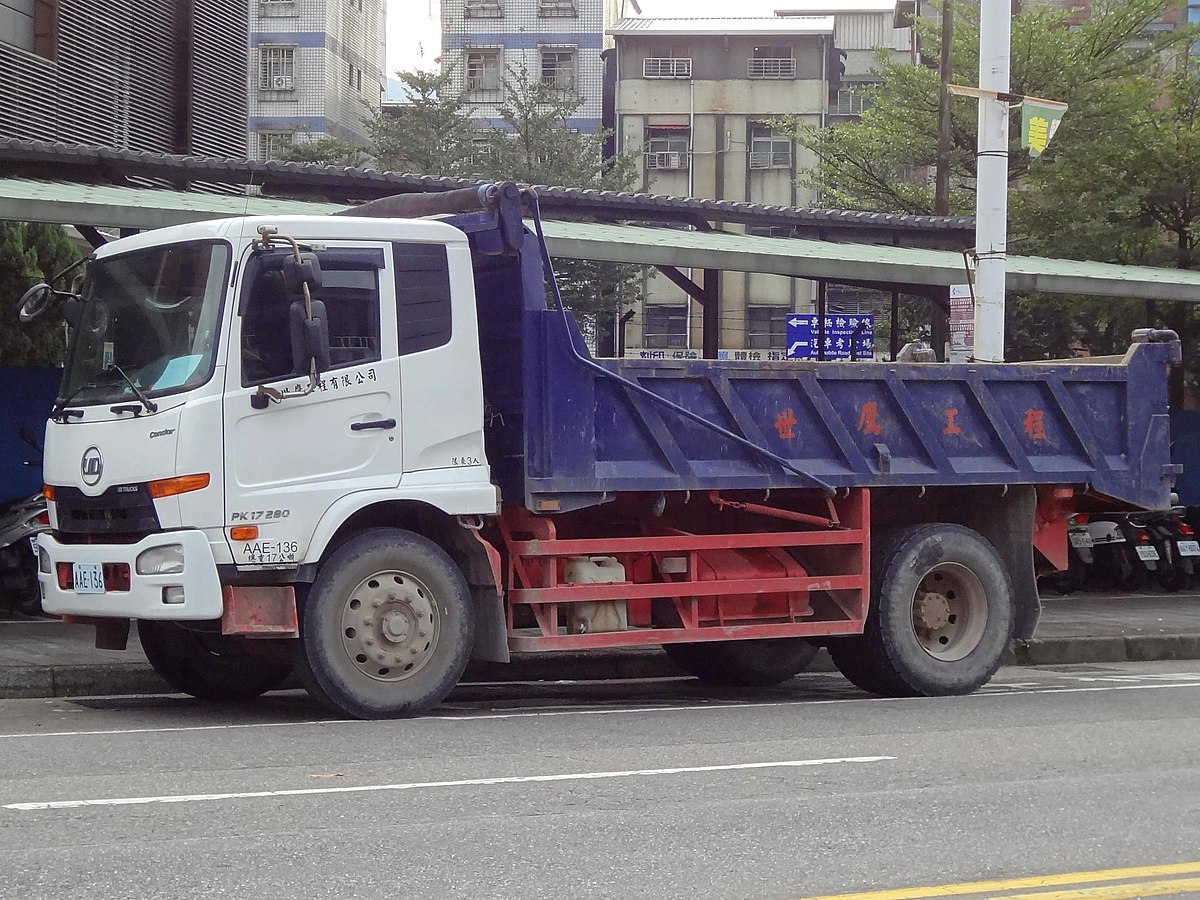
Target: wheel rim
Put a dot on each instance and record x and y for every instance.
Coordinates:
(949, 611)
(390, 626)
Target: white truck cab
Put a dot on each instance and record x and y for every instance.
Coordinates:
(193, 448)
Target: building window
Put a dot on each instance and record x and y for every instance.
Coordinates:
(667, 62)
(482, 154)
(483, 70)
(664, 327)
(558, 68)
(274, 144)
(667, 148)
(851, 100)
(777, 231)
(769, 149)
(276, 68)
(766, 327)
(31, 25)
(483, 9)
(557, 9)
(355, 80)
(771, 62)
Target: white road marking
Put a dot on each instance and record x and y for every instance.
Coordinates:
(467, 716)
(428, 785)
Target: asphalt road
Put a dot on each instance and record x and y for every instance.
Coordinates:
(649, 789)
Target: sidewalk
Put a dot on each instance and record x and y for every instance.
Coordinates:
(45, 658)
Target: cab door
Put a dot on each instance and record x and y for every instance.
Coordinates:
(287, 461)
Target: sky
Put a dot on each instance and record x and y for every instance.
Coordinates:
(412, 25)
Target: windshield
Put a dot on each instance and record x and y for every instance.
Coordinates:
(152, 314)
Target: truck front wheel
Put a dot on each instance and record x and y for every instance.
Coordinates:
(758, 663)
(208, 666)
(387, 628)
(942, 617)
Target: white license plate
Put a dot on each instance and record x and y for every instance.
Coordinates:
(1081, 539)
(1188, 548)
(88, 578)
(1149, 554)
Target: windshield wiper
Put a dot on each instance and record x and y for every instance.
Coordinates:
(151, 406)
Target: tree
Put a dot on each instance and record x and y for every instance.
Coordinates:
(434, 134)
(328, 151)
(30, 253)
(1109, 187)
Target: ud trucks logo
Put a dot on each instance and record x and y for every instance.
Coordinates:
(91, 466)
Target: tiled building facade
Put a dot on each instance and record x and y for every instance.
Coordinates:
(316, 70)
(555, 41)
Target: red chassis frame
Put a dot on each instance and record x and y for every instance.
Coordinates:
(738, 570)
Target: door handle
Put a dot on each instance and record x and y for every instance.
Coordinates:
(375, 423)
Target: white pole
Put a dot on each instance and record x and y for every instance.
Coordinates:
(991, 192)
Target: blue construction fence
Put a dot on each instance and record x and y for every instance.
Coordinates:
(26, 396)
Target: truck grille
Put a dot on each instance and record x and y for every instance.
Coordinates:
(121, 510)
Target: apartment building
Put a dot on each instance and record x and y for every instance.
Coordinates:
(555, 41)
(316, 70)
(696, 99)
(146, 75)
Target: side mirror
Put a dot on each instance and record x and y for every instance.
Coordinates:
(310, 337)
(35, 303)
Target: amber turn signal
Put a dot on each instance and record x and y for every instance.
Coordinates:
(181, 484)
(244, 532)
(48, 492)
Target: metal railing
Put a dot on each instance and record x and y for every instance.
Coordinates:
(667, 67)
(771, 68)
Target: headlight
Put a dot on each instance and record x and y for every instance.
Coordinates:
(166, 560)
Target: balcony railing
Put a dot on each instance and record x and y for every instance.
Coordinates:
(667, 67)
(771, 68)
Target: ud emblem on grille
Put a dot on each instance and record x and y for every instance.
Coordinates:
(91, 466)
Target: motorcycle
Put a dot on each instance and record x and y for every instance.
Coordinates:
(1177, 547)
(1079, 558)
(21, 521)
(1124, 551)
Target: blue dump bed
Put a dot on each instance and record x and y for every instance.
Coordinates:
(567, 431)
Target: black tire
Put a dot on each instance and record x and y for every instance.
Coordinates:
(390, 592)
(757, 663)
(941, 619)
(208, 666)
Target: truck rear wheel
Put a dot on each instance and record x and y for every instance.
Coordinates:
(387, 628)
(942, 617)
(208, 666)
(758, 663)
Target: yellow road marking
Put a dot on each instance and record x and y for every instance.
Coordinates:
(1036, 881)
(1129, 891)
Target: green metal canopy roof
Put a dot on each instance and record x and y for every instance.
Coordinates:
(133, 207)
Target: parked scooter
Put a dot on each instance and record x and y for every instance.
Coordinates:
(21, 520)
(1177, 548)
(1079, 558)
(1123, 550)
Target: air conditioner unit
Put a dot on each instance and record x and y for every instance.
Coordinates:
(281, 82)
(666, 161)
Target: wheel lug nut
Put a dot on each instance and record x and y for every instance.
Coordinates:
(379, 656)
(413, 651)
(369, 641)
(366, 621)
(377, 603)
(420, 634)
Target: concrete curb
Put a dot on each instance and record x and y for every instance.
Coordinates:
(37, 682)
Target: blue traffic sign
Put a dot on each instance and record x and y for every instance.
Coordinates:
(842, 333)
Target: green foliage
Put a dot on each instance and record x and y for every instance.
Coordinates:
(1120, 183)
(30, 253)
(328, 151)
(434, 135)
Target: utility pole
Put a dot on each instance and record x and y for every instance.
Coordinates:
(991, 191)
(941, 197)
